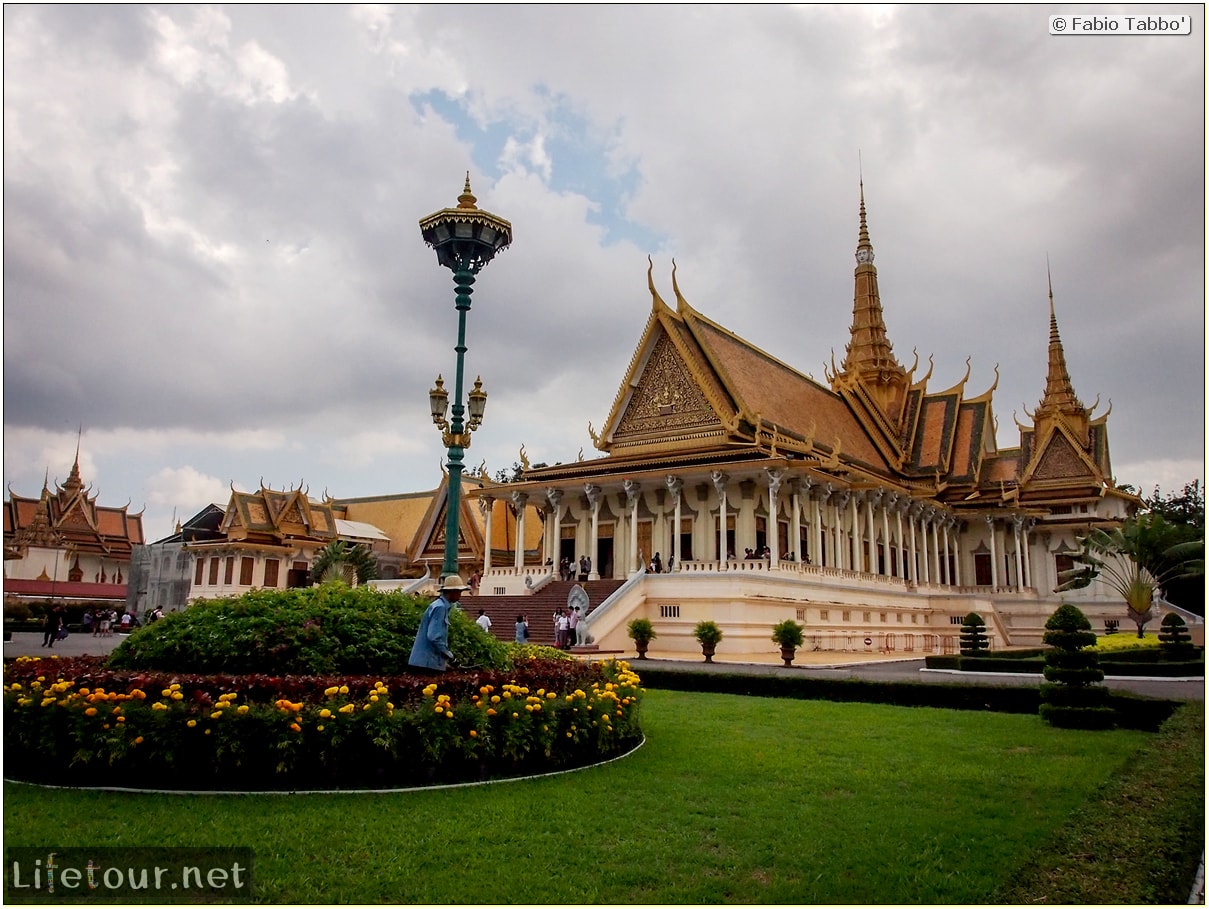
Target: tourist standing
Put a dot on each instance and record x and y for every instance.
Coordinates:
(572, 624)
(483, 621)
(522, 630)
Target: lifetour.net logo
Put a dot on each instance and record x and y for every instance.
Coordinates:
(49, 875)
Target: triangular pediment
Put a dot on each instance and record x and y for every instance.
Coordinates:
(1061, 460)
(665, 398)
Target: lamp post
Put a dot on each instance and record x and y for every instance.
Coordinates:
(465, 239)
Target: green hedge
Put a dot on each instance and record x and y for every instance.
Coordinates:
(1140, 668)
(332, 628)
(1132, 711)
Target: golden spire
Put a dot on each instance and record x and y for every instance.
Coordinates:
(1059, 392)
(467, 199)
(869, 357)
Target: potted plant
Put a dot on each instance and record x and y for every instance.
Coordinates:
(642, 632)
(708, 634)
(789, 635)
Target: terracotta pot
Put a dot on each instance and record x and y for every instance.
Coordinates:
(787, 655)
(641, 647)
(707, 650)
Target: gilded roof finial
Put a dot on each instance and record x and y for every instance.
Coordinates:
(1059, 391)
(681, 303)
(656, 300)
(863, 242)
(467, 199)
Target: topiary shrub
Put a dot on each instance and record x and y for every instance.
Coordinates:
(974, 640)
(1175, 641)
(327, 629)
(1071, 696)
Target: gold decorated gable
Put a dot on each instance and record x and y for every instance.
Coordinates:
(1060, 461)
(667, 399)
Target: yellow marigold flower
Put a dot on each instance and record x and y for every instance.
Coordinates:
(116, 711)
(490, 711)
(167, 692)
(438, 709)
(449, 713)
(293, 726)
(568, 735)
(91, 711)
(121, 719)
(348, 708)
(331, 691)
(550, 695)
(159, 705)
(175, 686)
(319, 728)
(486, 689)
(216, 714)
(83, 691)
(495, 699)
(373, 698)
(16, 686)
(193, 723)
(344, 689)
(243, 708)
(104, 725)
(325, 713)
(177, 696)
(515, 716)
(207, 731)
(390, 706)
(138, 740)
(139, 693)
(473, 734)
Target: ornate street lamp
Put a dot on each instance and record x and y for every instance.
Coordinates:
(466, 239)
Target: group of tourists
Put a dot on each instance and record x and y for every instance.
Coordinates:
(567, 568)
(566, 628)
(101, 622)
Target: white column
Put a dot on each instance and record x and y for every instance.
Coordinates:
(912, 515)
(1028, 561)
(854, 520)
(633, 493)
(937, 517)
(903, 504)
(674, 485)
(956, 525)
(889, 500)
(488, 505)
(990, 519)
(795, 525)
(555, 497)
(871, 500)
(949, 560)
(594, 499)
(1018, 523)
(816, 531)
(518, 500)
(774, 487)
(719, 479)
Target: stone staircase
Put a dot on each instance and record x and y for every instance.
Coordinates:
(538, 608)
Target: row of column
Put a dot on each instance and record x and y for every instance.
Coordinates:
(842, 523)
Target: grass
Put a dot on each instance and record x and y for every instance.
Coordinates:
(732, 799)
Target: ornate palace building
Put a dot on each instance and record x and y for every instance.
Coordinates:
(64, 547)
(885, 506)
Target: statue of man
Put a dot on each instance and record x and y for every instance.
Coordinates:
(431, 649)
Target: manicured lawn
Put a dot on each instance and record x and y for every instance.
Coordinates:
(732, 799)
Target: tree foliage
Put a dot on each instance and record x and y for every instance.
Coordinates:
(1135, 560)
(1185, 512)
(338, 561)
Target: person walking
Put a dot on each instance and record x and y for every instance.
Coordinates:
(51, 626)
(431, 650)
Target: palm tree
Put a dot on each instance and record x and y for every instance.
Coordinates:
(1135, 560)
(339, 561)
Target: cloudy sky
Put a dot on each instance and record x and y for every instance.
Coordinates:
(212, 261)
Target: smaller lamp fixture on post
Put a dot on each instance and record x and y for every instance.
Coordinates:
(465, 238)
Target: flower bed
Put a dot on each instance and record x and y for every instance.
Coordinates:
(73, 722)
